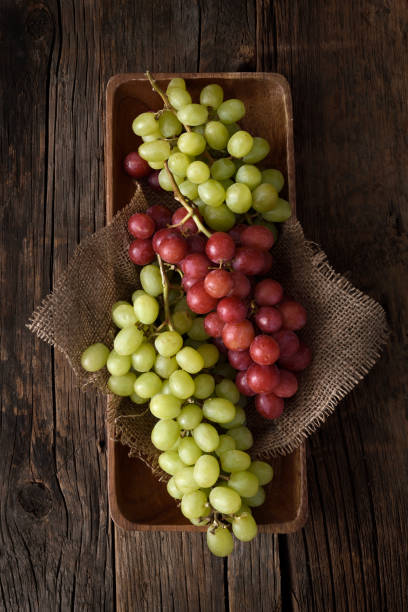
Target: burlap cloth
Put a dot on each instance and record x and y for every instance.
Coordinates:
(345, 330)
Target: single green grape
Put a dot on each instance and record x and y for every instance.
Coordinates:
(143, 358)
(128, 340)
(227, 389)
(165, 390)
(181, 305)
(172, 489)
(235, 461)
(238, 420)
(245, 483)
(238, 198)
(165, 406)
(191, 143)
(193, 114)
(170, 462)
(204, 386)
(122, 385)
(144, 124)
(178, 97)
(181, 384)
(220, 541)
(222, 169)
(136, 294)
(240, 144)
(259, 151)
(198, 202)
(194, 505)
(178, 164)
(189, 189)
(184, 480)
(212, 95)
(149, 138)
(146, 309)
(176, 82)
(242, 436)
(244, 527)
(226, 443)
(211, 193)
(226, 370)
(262, 470)
(200, 522)
(274, 177)
(231, 110)
(199, 129)
(256, 500)
(197, 331)
(136, 399)
(206, 437)
(219, 410)
(209, 353)
(156, 165)
(216, 134)
(232, 128)
(94, 358)
(123, 315)
(118, 365)
(190, 360)
(190, 416)
(151, 281)
(225, 500)
(227, 183)
(249, 175)
(188, 451)
(165, 366)
(165, 434)
(219, 219)
(169, 125)
(176, 445)
(281, 212)
(165, 180)
(198, 172)
(148, 384)
(156, 151)
(182, 321)
(264, 198)
(207, 470)
(168, 343)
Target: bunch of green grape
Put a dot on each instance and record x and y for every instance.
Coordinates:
(201, 429)
(211, 159)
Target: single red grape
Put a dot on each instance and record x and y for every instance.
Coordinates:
(195, 265)
(288, 384)
(248, 260)
(236, 232)
(238, 336)
(232, 310)
(268, 263)
(299, 361)
(141, 225)
(264, 350)
(160, 214)
(196, 243)
(242, 384)
(240, 360)
(213, 325)
(153, 180)
(188, 281)
(198, 299)
(268, 319)
(141, 252)
(241, 286)
(293, 314)
(135, 166)
(172, 249)
(218, 283)
(160, 235)
(220, 247)
(269, 406)
(268, 292)
(288, 342)
(258, 236)
(262, 378)
(186, 228)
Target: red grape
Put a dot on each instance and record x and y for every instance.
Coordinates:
(172, 249)
(141, 252)
(220, 247)
(218, 283)
(248, 260)
(257, 236)
(293, 314)
(195, 265)
(240, 360)
(288, 342)
(141, 225)
(232, 310)
(236, 232)
(288, 384)
(262, 378)
(268, 319)
(268, 292)
(220, 345)
(198, 299)
(135, 166)
(269, 406)
(186, 228)
(241, 286)
(238, 336)
(242, 384)
(160, 214)
(196, 243)
(264, 350)
(213, 325)
(188, 281)
(153, 180)
(160, 235)
(299, 361)
(268, 263)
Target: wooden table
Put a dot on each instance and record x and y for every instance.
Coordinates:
(346, 63)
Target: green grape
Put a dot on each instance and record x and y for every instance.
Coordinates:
(189, 189)
(156, 151)
(190, 416)
(176, 445)
(242, 436)
(170, 462)
(237, 421)
(143, 358)
(164, 406)
(169, 125)
(128, 340)
(245, 483)
(165, 181)
(122, 385)
(232, 128)
(194, 505)
(212, 193)
(144, 124)
(165, 390)
(249, 175)
(256, 500)
(204, 386)
(118, 303)
(206, 471)
(206, 437)
(244, 527)
(281, 212)
(259, 151)
(235, 461)
(216, 134)
(151, 281)
(181, 305)
(238, 198)
(244, 508)
(274, 177)
(136, 399)
(146, 308)
(264, 198)
(191, 143)
(178, 97)
(182, 321)
(200, 522)
(226, 443)
(227, 183)
(135, 295)
(181, 384)
(172, 489)
(225, 500)
(165, 366)
(188, 451)
(118, 365)
(198, 129)
(222, 169)
(184, 480)
(178, 164)
(190, 360)
(231, 111)
(262, 470)
(176, 82)
(150, 137)
(219, 410)
(123, 315)
(198, 172)
(219, 219)
(212, 95)
(165, 434)
(227, 389)
(156, 165)
(226, 370)
(94, 358)
(148, 384)
(209, 353)
(220, 541)
(193, 114)
(197, 331)
(168, 343)
(198, 202)
(240, 144)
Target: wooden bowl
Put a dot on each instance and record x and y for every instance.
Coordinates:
(137, 500)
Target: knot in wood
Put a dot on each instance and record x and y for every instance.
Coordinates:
(35, 498)
(39, 23)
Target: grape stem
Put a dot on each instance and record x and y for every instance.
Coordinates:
(165, 284)
(164, 97)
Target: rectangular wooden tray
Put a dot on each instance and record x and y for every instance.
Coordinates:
(137, 500)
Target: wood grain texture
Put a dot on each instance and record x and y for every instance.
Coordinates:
(346, 63)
